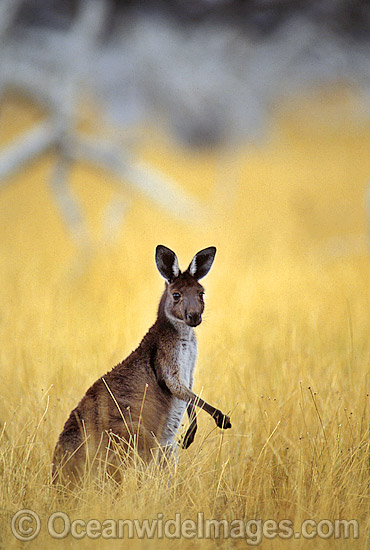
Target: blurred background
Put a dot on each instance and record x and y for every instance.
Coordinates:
(262, 106)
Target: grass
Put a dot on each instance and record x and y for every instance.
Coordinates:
(284, 345)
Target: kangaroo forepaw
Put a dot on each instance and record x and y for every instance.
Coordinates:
(222, 420)
(188, 438)
(187, 441)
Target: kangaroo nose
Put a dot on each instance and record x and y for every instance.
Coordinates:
(193, 318)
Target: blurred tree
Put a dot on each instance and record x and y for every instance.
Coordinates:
(208, 70)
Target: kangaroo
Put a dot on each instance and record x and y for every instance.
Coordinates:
(141, 401)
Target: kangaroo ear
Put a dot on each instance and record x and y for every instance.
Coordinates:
(202, 262)
(167, 263)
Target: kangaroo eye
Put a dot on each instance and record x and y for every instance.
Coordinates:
(176, 296)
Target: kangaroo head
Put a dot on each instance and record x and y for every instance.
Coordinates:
(183, 295)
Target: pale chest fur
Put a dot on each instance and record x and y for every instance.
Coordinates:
(185, 354)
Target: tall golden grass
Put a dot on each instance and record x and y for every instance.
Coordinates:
(284, 346)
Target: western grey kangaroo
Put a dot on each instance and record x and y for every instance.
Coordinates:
(141, 401)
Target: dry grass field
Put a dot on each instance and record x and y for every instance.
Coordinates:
(284, 345)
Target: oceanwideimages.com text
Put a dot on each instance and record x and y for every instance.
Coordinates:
(26, 525)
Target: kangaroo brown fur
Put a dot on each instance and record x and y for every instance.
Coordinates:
(140, 402)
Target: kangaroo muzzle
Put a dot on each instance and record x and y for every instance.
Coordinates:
(193, 318)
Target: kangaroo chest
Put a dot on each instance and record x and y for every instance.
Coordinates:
(185, 354)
